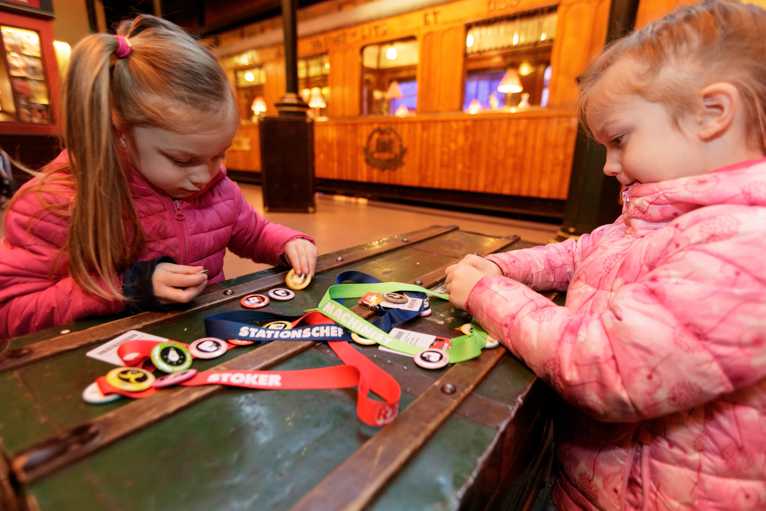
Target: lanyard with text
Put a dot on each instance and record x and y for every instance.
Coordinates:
(243, 325)
(461, 348)
(358, 371)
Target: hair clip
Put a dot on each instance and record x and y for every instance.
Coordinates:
(124, 48)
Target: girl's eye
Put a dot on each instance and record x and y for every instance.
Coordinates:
(617, 141)
(182, 163)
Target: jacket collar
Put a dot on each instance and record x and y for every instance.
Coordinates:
(743, 183)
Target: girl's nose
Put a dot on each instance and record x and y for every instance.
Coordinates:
(611, 166)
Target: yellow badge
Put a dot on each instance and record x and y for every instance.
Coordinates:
(130, 379)
(297, 282)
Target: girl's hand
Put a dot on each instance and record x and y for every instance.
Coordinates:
(461, 278)
(482, 264)
(302, 255)
(175, 283)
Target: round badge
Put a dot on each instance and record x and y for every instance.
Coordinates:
(171, 357)
(93, 395)
(240, 342)
(174, 378)
(281, 294)
(208, 348)
(254, 301)
(398, 298)
(466, 328)
(361, 340)
(297, 282)
(371, 300)
(432, 359)
(278, 325)
(130, 379)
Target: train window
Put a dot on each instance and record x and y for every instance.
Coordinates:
(389, 85)
(508, 62)
(313, 82)
(250, 83)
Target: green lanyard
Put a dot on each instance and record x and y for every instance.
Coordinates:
(462, 348)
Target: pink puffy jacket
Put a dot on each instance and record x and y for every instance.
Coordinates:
(36, 290)
(660, 349)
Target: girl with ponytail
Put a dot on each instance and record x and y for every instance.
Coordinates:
(137, 211)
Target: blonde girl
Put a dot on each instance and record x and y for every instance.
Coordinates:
(660, 349)
(137, 211)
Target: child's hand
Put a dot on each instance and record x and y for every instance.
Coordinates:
(175, 283)
(482, 264)
(302, 255)
(461, 278)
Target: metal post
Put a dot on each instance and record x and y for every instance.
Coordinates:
(287, 140)
(291, 103)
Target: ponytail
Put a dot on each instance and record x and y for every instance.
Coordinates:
(104, 234)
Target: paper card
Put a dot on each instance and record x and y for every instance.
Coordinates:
(107, 352)
(418, 340)
(413, 304)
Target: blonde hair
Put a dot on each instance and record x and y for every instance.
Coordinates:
(167, 77)
(693, 46)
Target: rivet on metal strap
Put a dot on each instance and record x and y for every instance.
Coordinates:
(448, 388)
(339, 258)
(228, 292)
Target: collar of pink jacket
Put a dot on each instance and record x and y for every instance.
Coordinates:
(742, 183)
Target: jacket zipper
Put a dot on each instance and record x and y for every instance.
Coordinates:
(626, 196)
(180, 217)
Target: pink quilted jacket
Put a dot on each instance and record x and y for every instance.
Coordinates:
(36, 290)
(660, 350)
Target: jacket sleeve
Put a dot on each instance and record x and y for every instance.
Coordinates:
(687, 331)
(32, 296)
(256, 238)
(551, 266)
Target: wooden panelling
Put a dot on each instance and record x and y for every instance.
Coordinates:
(650, 10)
(345, 82)
(274, 88)
(525, 153)
(245, 151)
(441, 70)
(580, 36)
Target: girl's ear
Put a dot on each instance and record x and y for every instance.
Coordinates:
(721, 102)
(119, 130)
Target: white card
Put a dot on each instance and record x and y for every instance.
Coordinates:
(413, 304)
(416, 339)
(107, 352)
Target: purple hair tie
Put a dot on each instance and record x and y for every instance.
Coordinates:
(124, 48)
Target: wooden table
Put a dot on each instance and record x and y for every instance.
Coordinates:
(471, 436)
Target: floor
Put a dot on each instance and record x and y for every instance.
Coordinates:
(342, 221)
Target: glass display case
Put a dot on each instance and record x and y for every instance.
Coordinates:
(24, 94)
(29, 80)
